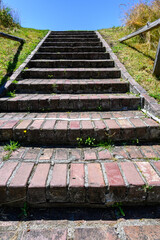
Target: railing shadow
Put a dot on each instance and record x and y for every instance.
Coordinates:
(146, 55)
(12, 65)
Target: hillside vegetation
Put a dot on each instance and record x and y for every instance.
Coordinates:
(13, 54)
(138, 53)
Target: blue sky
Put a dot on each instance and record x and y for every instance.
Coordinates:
(69, 14)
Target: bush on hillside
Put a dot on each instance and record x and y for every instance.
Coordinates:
(8, 18)
(142, 13)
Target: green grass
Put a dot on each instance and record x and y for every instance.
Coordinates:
(137, 56)
(12, 54)
(9, 148)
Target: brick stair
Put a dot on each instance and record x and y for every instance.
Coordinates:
(71, 89)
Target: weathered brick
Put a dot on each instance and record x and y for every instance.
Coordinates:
(104, 154)
(150, 232)
(61, 154)
(89, 154)
(57, 191)
(5, 173)
(117, 189)
(136, 184)
(148, 152)
(60, 234)
(127, 129)
(17, 187)
(6, 130)
(74, 131)
(76, 183)
(46, 154)
(153, 181)
(37, 187)
(134, 152)
(96, 184)
(114, 129)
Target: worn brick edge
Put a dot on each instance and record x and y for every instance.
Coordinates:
(17, 73)
(150, 104)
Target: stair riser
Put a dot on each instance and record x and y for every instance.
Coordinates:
(54, 103)
(69, 136)
(75, 56)
(72, 88)
(68, 49)
(70, 64)
(72, 32)
(73, 36)
(72, 44)
(49, 39)
(72, 74)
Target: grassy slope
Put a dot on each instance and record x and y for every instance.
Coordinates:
(10, 60)
(137, 58)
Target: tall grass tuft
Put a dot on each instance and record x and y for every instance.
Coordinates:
(139, 15)
(8, 17)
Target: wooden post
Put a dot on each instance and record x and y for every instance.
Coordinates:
(156, 69)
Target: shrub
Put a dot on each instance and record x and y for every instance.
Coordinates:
(8, 18)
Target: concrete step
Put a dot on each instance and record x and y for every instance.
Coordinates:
(70, 102)
(84, 55)
(102, 184)
(52, 39)
(80, 129)
(71, 63)
(72, 73)
(70, 86)
(71, 49)
(72, 44)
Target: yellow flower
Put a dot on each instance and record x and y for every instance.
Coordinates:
(25, 131)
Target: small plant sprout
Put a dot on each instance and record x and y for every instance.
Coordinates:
(119, 206)
(9, 148)
(90, 141)
(11, 94)
(15, 81)
(50, 76)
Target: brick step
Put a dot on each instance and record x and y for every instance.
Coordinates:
(72, 44)
(70, 102)
(71, 49)
(103, 184)
(61, 130)
(75, 36)
(70, 86)
(71, 63)
(73, 32)
(87, 154)
(52, 39)
(89, 56)
(78, 73)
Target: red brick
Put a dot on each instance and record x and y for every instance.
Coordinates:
(62, 125)
(87, 124)
(95, 233)
(149, 173)
(150, 122)
(36, 125)
(124, 123)
(150, 232)
(113, 174)
(58, 185)
(148, 152)
(49, 125)
(119, 153)
(5, 174)
(157, 148)
(90, 155)
(75, 154)
(32, 154)
(96, 184)
(76, 183)
(24, 124)
(133, 152)
(135, 190)
(99, 124)
(56, 234)
(113, 129)
(17, 187)
(37, 186)
(46, 154)
(157, 165)
(18, 154)
(74, 125)
(104, 154)
(61, 154)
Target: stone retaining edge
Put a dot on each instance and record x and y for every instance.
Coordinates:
(17, 73)
(150, 104)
